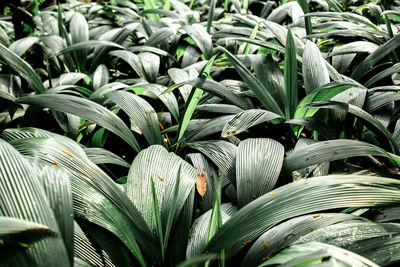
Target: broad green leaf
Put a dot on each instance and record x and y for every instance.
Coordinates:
(156, 91)
(150, 4)
(246, 119)
(20, 46)
(314, 253)
(20, 188)
(142, 114)
(179, 76)
(252, 36)
(299, 198)
(22, 67)
(306, 9)
(100, 76)
(221, 153)
(315, 72)
(332, 150)
(202, 39)
(130, 58)
(216, 89)
(86, 109)
(347, 16)
(374, 57)
(56, 184)
(354, 47)
(118, 36)
(98, 199)
(79, 30)
(112, 252)
(86, 45)
(210, 126)
(198, 232)
(210, 15)
(99, 155)
(375, 241)
(383, 74)
(324, 94)
(219, 108)
(372, 123)
(151, 64)
(24, 231)
(203, 166)
(286, 233)
(254, 84)
(155, 164)
(258, 164)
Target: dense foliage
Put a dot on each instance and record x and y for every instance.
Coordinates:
(165, 133)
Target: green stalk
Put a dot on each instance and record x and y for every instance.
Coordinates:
(211, 15)
(252, 36)
(307, 20)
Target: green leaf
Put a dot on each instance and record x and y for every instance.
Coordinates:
(79, 30)
(99, 155)
(100, 76)
(202, 39)
(372, 123)
(198, 232)
(254, 84)
(204, 166)
(206, 128)
(130, 58)
(258, 164)
(151, 65)
(315, 253)
(98, 198)
(246, 119)
(374, 57)
(59, 194)
(118, 36)
(332, 150)
(22, 67)
(315, 72)
(304, 5)
(221, 153)
(20, 230)
(210, 15)
(86, 45)
(150, 4)
(156, 165)
(142, 114)
(291, 89)
(252, 36)
(86, 109)
(192, 101)
(20, 188)
(325, 94)
(216, 89)
(20, 46)
(278, 237)
(298, 198)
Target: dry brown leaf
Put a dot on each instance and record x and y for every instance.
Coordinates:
(201, 184)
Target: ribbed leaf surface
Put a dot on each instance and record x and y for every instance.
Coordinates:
(86, 109)
(157, 165)
(258, 164)
(298, 198)
(23, 197)
(331, 150)
(246, 119)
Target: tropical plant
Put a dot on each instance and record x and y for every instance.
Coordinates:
(185, 133)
